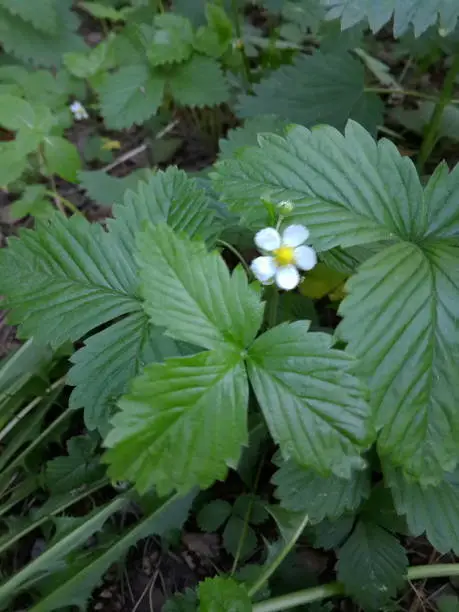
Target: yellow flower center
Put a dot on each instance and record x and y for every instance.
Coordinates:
(284, 255)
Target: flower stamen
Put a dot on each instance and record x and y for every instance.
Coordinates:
(284, 255)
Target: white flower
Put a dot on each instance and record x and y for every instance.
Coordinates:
(289, 255)
(78, 110)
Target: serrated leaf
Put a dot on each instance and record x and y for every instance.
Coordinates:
(215, 38)
(106, 189)
(306, 14)
(400, 320)
(16, 113)
(232, 534)
(45, 19)
(75, 584)
(198, 82)
(59, 281)
(157, 437)
(212, 516)
(342, 187)
(79, 467)
(85, 65)
(101, 11)
(182, 602)
(110, 359)
(247, 135)
(223, 595)
(331, 534)
(200, 301)
(381, 562)
(416, 120)
(130, 96)
(302, 490)
(23, 40)
(166, 197)
(13, 163)
(169, 40)
(431, 509)
(62, 158)
(316, 89)
(315, 408)
(420, 14)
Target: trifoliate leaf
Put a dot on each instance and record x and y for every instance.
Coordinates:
(247, 135)
(223, 595)
(24, 41)
(340, 186)
(400, 319)
(73, 586)
(198, 82)
(183, 423)
(371, 565)
(130, 96)
(110, 359)
(431, 510)
(62, 158)
(80, 466)
(170, 40)
(315, 408)
(59, 281)
(420, 14)
(44, 19)
(316, 89)
(199, 301)
(166, 197)
(302, 490)
(212, 516)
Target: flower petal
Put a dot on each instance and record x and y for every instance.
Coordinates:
(294, 235)
(264, 269)
(268, 239)
(305, 257)
(287, 277)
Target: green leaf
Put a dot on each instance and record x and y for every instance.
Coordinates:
(302, 490)
(400, 320)
(182, 602)
(247, 135)
(315, 408)
(85, 65)
(371, 565)
(59, 280)
(73, 586)
(170, 40)
(101, 11)
(316, 89)
(80, 467)
(431, 510)
(331, 534)
(24, 41)
(13, 162)
(32, 202)
(166, 197)
(199, 301)
(105, 189)
(110, 359)
(342, 187)
(62, 158)
(421, 14)
(158, 435)
(417, 120)
(223, 595)
(232, 534)
(212, 516)
(198, 82)
(215, 38)
(305, 14)
(44, 19)
(130, 96)
(16, 113)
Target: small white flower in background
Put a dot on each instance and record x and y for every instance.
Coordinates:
(288, 254)
(78, 110)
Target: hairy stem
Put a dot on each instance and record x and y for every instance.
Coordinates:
(431, 134)
(306, 596)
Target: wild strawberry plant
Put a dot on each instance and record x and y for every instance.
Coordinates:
(194, 350)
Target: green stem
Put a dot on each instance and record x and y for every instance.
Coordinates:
(272, 567)
(431, 134)
(273, 306)
(235, 252)
(298, 598)
(241, 47)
